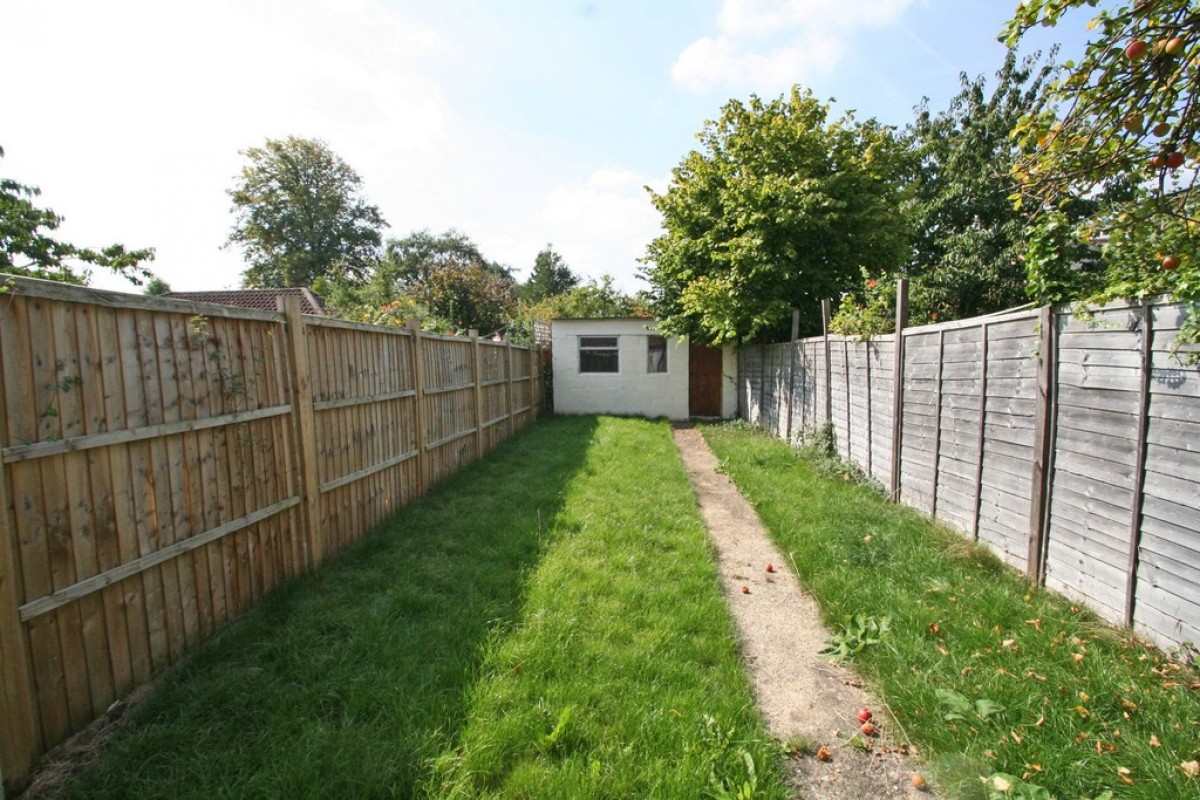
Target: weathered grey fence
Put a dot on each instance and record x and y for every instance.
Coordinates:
(164, 463)
(1068, 443)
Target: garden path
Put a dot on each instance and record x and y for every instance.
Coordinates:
(803, 696)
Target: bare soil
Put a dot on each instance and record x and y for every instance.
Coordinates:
(804, 697)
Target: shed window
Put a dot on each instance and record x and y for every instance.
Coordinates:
(598, 354)
(656, 354)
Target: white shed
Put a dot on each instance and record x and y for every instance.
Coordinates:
(624, 366)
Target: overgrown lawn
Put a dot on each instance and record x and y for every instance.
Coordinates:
(989, 676)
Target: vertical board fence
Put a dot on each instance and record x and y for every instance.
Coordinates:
(165, 463)
(1067, 442)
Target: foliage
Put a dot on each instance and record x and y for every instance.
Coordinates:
(1118, 129)
(969, 238)
(593, 300)
(777, 210)
(551, 276)
(300, 216)
(27, 247)
(416, 256)
(467, 295)
(156, 287)
(868, 311)
(857, 634)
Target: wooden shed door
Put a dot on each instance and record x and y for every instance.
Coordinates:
(704, 381)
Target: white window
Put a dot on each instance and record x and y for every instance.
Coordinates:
(656, 354)
(599, 354)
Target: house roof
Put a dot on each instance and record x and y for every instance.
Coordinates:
(263, 299)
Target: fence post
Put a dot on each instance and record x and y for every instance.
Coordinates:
(981, 437)
(19, 729)
(477, 380)
(508, 377)
(1039, 487)
(898, 386)
(418, 379)
(306, 425)
(792, 369)
(1139, 475)
(535, 403)
(825, 317)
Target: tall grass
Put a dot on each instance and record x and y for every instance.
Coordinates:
(989, 675)
(545, 624)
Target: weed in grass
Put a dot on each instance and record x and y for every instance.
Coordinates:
(798, 746)
(856, 634)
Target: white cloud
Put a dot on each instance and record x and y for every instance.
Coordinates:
(768, 45)
(603, 223)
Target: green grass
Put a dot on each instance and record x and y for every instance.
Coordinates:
(545, 624)
(985, 673)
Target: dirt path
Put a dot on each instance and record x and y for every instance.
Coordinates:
(800, 693)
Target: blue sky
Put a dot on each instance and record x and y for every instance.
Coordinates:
(519, 123)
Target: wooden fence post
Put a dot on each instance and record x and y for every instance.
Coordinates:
(981, 438)
(792, 369)
(828, 362)
(937, 422)
(1139, 475)
(19, 730)
(508, 376)
(418, 378)
(1039, 485)
(477, 379)
(306, 426)
(898, 387)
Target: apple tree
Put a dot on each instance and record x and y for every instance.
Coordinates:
(1116, 130)
(777, 209)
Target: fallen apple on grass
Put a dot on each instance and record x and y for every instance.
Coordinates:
(868, 729)
(864, 714)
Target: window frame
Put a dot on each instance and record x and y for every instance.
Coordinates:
(591, 346)
(654, 342)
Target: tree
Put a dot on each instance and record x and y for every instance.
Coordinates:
(778, 210)
(27, 248)
(156, 287)
(1118, 130)
(550, 276)
(465, 295)
(301, 216)
(969, 238)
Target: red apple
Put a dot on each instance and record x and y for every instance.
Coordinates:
(1175, 159)
(770, 567)
(868, 729)
(1159, 161)
(1170, 263)
(1162, 129)
(864, 714)
(745, 590)
(1136, 49)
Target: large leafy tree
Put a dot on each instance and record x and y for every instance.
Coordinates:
(551, 276)
(29, 248)
(301, 215)
(466, 295)
(1119, 130)
(778, 209)
(969, 239)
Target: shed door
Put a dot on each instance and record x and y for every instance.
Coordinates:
(704, 381)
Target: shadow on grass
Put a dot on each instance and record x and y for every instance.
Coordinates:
(346, 682)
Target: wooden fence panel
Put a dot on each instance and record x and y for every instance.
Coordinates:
(1094, 477)
(152, 475)
(1119, 487)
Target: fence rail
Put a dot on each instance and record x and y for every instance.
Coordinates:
(164, 463)
(1067, 442)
